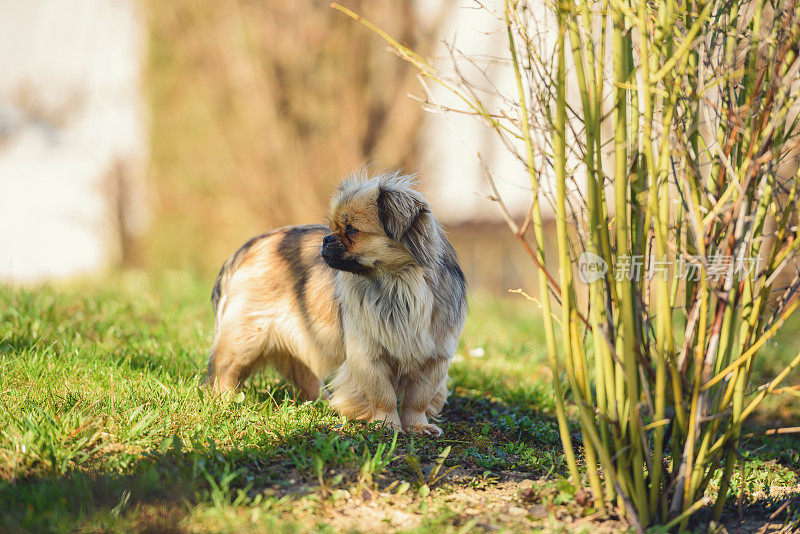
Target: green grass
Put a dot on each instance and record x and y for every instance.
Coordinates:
(105, 426)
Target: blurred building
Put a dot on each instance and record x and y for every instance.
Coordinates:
(491, 256)
(237, 116)
(72, 136)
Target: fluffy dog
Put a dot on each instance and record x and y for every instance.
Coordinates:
(377, 301)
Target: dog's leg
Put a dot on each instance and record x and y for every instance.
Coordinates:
(233, 358)
(310, 386)
(362, 387)
(424, 397)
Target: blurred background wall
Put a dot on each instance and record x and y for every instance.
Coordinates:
(163, 134)
(72, 136)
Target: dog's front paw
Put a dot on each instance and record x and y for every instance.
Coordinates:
(427, 429)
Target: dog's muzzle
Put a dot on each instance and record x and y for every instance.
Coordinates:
(334, 254)
(332, 248)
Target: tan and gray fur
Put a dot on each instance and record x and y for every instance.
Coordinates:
(376, 301)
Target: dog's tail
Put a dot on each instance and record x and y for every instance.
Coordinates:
(218, 294)
(218, 299)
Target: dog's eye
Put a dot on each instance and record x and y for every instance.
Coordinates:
(349, 231)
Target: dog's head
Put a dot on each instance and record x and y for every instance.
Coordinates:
(378, 224)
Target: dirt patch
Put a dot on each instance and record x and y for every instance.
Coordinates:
(488, 507)
(517, 505)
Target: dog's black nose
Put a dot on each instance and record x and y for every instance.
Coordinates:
(328, 240)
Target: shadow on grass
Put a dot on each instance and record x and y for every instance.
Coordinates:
(160, 487)
(156, 488)
(17, 344)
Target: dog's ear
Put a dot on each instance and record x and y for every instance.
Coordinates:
(406, 217)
